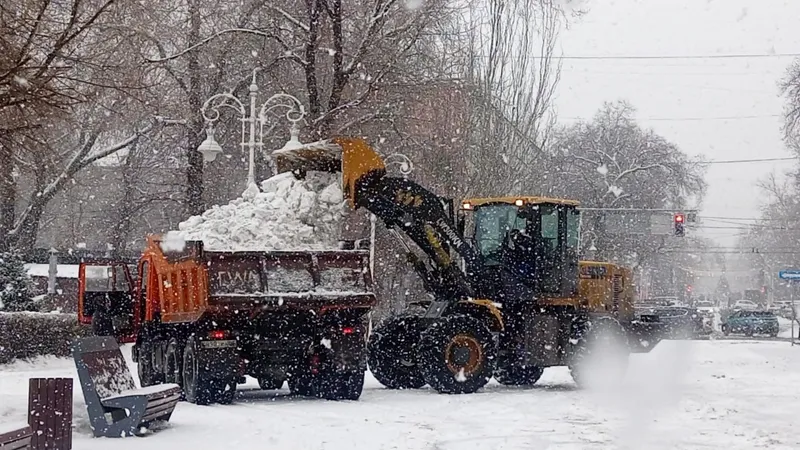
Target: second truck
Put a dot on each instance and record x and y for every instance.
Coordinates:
(205, 319)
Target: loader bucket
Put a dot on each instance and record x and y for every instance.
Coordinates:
(323, 156)
(359, 163)
(352, 156)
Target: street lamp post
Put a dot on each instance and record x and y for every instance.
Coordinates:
(257, 117)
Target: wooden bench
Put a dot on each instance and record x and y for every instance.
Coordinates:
(15, 436)
(116, 407)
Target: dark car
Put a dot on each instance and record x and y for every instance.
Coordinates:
(751, 322)
(681, 322)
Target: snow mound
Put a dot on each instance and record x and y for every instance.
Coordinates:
(288, 214)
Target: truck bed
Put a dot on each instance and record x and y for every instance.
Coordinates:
(194, 282)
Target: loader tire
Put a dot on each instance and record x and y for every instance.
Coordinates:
(518, 375)
(457, 355)
(392, 352)
(600, 356)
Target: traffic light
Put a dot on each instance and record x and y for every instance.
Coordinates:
(679, 220)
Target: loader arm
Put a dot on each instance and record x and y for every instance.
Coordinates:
(422, 216)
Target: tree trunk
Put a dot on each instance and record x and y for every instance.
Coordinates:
(194, 170)
(8, 195)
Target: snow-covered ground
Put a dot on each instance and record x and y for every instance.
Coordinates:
(683, 395)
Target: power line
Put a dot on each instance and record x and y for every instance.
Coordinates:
(666, 57)
(737, 161)
(688, 119)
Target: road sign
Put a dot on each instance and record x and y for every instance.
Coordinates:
(789, 275)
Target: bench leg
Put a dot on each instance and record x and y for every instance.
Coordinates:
(125, 422)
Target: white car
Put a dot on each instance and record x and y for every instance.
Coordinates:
(746, 305)
(705, 308)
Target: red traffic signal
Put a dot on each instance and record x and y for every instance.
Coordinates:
(679, 220)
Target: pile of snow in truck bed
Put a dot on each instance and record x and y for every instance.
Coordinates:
(288, 214)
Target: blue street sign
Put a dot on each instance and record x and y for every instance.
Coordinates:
(789, 274)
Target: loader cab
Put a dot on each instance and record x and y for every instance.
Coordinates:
(534, 239)
(105, 298)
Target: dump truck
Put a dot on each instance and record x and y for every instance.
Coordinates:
(508, 295)
(205, 319)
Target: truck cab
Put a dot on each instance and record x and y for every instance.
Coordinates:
(106, 294)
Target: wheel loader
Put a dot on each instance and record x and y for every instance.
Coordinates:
(508, 295)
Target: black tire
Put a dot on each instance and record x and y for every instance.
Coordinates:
(225, 392)
(725, 330)
(603, 332)
(392, 352)
(269, 383)
(197, 388)
(173, 365)
(748, 332)
(301, 385)
(510, 374)
(329, 386)
(144, 368)
(102, 325)
(340, 386)
(457, 354)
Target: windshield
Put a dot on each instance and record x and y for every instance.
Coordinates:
(492, 223)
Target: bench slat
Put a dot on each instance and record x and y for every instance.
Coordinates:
(15, 435)
(17, 445)
(157, 412)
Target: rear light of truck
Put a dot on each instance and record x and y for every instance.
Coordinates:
(348, 330)
(218, 335)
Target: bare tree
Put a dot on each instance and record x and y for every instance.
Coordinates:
(611, 162)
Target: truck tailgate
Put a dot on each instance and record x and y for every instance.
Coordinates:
(289, 279)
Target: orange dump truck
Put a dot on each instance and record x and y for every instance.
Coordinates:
(206, 319)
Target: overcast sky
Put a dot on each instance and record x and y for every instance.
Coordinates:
(684, 99)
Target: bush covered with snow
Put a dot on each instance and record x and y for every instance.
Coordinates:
(26, 335)
(15, 284)
(289, 214)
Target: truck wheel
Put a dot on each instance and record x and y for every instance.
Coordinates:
(173, 365)
(268, 383)
(225, 392)
(197, 388)
(457, 354)
(725, 330)
(600, 355)
(510, 374)
(144, 368)
(748, 332)
(340, 386)
(391, 352)
(301, 385)
(102, 324)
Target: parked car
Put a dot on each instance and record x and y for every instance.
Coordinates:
(750, 323)
(682, 322)
(745, 305)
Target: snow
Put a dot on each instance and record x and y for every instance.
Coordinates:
(288, 214)
(147, 390)
(785, 328)
(12, 426)
(43, 270)
(731, 394)
(173, 241)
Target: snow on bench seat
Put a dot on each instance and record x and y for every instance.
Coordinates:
(155, 391)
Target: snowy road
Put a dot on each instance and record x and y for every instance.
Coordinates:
(683, 395)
